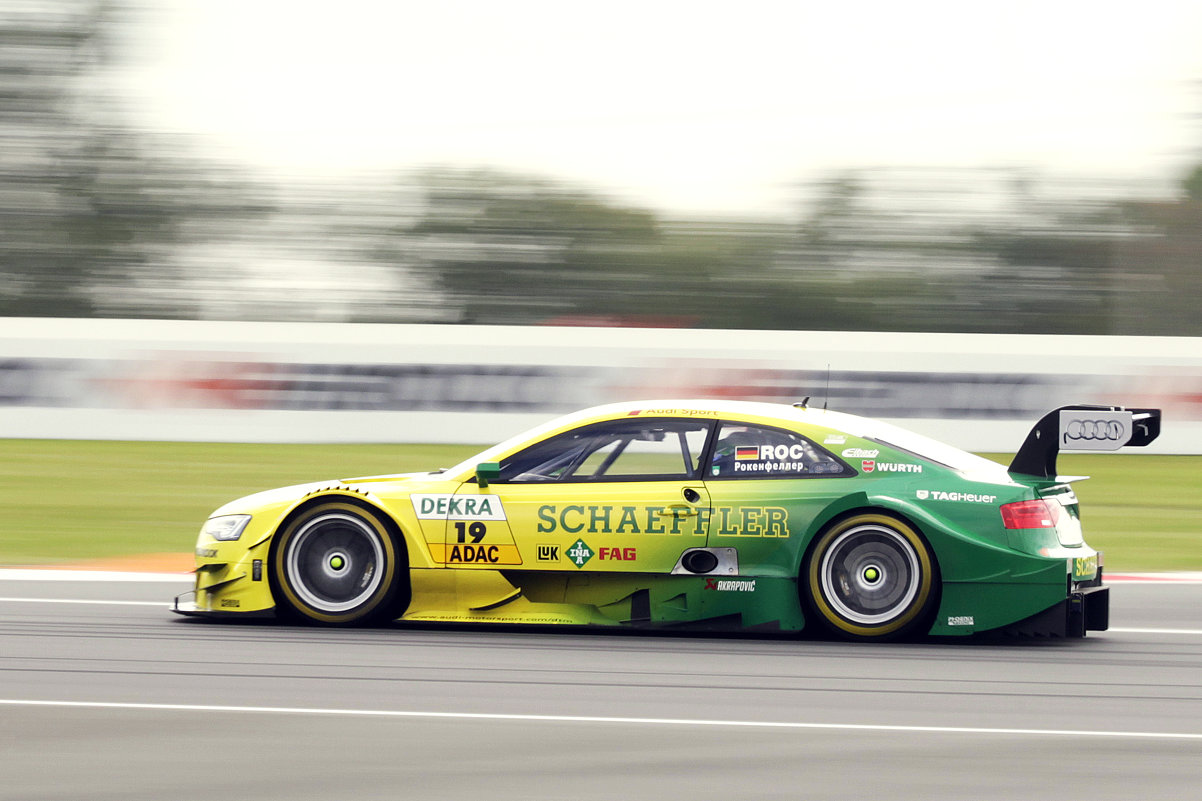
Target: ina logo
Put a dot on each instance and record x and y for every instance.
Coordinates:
(580, 553)
(869, 465)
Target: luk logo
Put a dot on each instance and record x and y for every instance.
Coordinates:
(580, 553)
(547, 553)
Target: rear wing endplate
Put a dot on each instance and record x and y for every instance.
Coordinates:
(1083, 428)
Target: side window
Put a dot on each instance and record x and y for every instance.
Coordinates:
(750, 451)
(619, 450)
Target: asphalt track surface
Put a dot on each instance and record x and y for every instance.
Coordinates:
(106, 695)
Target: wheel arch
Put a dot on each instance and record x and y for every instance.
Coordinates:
(867, 507)
(364, 502)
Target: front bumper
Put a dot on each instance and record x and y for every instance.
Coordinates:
(235, 586)
(185, 604)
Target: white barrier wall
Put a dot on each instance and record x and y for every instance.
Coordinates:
(295, 382)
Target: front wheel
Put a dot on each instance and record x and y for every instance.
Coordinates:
(336, 564)
(871, 576)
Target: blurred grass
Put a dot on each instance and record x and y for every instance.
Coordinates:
(67, 501)
(1144, 512)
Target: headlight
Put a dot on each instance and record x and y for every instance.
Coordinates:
(226, 527)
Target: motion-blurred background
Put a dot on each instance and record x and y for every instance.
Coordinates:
(984, 167)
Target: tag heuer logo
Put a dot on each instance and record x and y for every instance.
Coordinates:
(924, 494)
(580, 553)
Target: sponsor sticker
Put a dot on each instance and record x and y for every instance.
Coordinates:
(960, 497)
(860, 453)
(770, 467)
(834, 439)
(1085, 567)
(960, 620)
(444, 506)
(579, 553)
(782, 452)
(617, 554)
(467, 553)
(720, 521)
(546, 553)
(870, 465)
(730, 585)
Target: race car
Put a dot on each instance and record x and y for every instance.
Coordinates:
(699, 514)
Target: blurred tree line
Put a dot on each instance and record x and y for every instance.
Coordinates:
(101, 218)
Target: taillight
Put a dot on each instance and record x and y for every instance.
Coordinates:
(1030, 514)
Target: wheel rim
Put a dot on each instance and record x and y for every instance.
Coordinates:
(870, 575)
(335, 562)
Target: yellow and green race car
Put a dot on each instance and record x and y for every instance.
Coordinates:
(710, 515)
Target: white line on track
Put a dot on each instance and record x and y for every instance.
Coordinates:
(41, 574)
(163, 604)
(763, 724)
(1194, 632)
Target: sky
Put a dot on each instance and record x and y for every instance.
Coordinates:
(687, 107)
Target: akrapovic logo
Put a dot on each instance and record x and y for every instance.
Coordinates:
(730, 585)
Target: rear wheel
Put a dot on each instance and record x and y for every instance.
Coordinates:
(336, 563)
(871, 576)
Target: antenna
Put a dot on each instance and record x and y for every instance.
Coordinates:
(827, 396)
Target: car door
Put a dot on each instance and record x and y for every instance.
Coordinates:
(766, 484)
(618, 496)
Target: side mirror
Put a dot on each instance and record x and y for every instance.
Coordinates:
(486, 472)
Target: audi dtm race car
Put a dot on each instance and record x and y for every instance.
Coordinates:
(706, 515)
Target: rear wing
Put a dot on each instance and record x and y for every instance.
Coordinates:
(1083, 428)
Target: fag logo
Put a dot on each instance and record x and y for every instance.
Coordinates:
(869, 465)
(580, 553)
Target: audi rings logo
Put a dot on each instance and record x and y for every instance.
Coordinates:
(1095, 430)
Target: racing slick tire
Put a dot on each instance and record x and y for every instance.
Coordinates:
(871, 576)
(336, 563)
